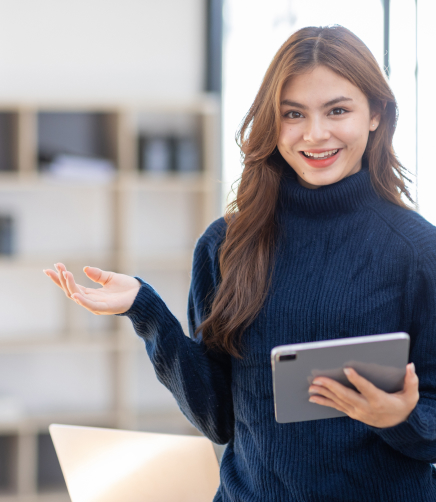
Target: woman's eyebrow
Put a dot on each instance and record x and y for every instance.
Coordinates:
(293, 103)
(336, 100)
(332, 102)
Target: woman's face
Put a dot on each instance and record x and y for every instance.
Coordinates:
(325, 124)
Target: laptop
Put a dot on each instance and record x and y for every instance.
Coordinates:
(110, 465)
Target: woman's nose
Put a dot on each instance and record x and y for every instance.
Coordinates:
(316, 131)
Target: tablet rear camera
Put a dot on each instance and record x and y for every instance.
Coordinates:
(288, 357)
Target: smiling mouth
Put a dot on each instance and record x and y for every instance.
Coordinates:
(320, 156)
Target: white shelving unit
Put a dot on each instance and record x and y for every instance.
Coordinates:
(58, 362)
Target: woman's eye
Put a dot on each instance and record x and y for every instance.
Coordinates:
(338, 111)
(294, 115)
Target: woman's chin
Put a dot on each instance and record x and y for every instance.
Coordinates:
(317, 180)
(322, 177)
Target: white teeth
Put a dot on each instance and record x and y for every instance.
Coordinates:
(321, 155)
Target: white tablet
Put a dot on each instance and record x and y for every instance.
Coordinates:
(381, 359)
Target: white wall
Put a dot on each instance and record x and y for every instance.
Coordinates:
(101, 49)
(59, 219)
(402, 79)
(58, 381)
(87, 50)
(426, 110)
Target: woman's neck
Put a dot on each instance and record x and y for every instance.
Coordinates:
(344, 196)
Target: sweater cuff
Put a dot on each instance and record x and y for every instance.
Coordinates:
(412, 430)
(146, 309)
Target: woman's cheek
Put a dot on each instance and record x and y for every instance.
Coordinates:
(351, 132)
(288, 138)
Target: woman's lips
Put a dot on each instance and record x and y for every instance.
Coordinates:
(321, 162)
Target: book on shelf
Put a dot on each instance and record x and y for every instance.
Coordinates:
(167, 154)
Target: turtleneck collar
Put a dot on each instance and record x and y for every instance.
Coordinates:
(345, 196)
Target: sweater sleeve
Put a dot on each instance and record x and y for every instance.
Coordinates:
(199, 379)
(416, 437)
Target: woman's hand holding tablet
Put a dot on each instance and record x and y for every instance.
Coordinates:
(364, 377)
(370, 405)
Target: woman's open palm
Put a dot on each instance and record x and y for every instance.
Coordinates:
(115, 297)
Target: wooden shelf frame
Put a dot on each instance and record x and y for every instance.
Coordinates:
(118, 342)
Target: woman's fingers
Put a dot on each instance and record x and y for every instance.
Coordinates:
(53, 276)
(411, 381)
(327, 402)
(60, 267)
(411, 384)
(70, 283)
(99, 276)
(372, 405)
(92, 306)
(323, 391)
(346, 395)
(116, 296)
(364, 386)
(65, 280)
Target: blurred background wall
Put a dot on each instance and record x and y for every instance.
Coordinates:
(90, 49)
(109, 156)
(111, 118)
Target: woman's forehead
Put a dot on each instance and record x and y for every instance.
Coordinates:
(319, 86)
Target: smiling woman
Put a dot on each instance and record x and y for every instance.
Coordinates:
(318, 245)
(295, 112)
(316, 135)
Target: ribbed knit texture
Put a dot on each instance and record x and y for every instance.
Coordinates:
(348, 263)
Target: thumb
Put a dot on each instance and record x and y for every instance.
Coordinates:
(410, 380)
(97, 275)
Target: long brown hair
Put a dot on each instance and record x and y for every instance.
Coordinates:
(247, 252)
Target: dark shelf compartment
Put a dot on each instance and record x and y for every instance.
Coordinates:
(8, 141)
(8, 464)
(169, 143)
(82, 134)
(49, 475)
(7, 235)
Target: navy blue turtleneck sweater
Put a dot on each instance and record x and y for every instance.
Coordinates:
(348, 263)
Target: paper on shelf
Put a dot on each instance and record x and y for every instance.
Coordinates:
(85, 169)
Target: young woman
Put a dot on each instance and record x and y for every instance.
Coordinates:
(319, 244)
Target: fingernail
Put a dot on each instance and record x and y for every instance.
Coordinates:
(317, 382)
(64, 274)
(347, 371)
(412, 365)
(56, 267)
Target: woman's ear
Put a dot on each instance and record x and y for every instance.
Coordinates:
(376, 117)
(375, 121)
